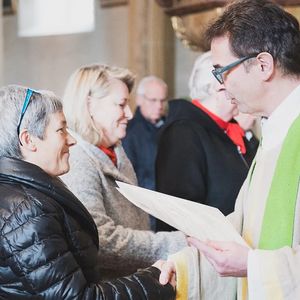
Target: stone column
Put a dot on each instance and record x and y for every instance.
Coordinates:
(151, 41)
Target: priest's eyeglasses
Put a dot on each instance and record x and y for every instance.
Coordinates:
(218, 72)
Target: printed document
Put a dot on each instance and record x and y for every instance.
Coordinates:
(194, 219)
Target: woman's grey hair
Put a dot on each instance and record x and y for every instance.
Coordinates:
(202, 81)
(36, 118)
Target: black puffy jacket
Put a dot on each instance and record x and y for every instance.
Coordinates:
(49, 243)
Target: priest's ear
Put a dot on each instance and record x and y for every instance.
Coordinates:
(266, 65)
(27, 141)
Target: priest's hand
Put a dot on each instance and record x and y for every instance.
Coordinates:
(167, 274)
(228, 258)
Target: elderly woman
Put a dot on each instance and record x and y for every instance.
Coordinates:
(203, 155)
(96, 107)
(48, 240)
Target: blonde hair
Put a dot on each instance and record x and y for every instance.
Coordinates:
(90, 81)
(202, 81)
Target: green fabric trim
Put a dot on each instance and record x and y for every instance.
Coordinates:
(278, 223)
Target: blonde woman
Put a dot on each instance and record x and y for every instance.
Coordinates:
(96, 107)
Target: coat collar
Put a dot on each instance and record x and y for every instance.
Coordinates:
(14, 170)
(275, 128)
(181, 109)
(138, 116)
(123, 171)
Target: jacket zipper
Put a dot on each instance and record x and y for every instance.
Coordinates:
(242, 157)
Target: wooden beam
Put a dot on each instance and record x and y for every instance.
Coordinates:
(186, 7)
(151, 42)
(165, 3)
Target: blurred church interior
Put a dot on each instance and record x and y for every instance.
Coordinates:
(160, 37)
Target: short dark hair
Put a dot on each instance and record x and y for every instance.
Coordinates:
(255, 26)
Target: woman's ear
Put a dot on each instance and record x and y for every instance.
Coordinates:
(27, 141)
(89, 105)
(266, 65)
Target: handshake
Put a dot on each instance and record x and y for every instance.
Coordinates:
(229, 259)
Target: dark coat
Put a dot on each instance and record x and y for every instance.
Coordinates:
(197, 161)
(49, 243)
(140, 145)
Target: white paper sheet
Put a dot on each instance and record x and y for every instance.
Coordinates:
(194, 219)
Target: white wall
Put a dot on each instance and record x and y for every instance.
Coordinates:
(47, 62)
(184, 61)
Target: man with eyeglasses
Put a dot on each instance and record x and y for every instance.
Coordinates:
(255, 48)
(140, 143)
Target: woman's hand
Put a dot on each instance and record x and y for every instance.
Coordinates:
(168, 272)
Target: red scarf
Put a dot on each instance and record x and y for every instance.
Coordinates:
(233, 130)
(110, 152)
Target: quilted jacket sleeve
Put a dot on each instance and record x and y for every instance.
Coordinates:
(38, 261)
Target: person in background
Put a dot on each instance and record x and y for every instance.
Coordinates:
(200, 79)
(140, 143)
(97, 110)
(248, 124)
(202, 155)
(48, 241)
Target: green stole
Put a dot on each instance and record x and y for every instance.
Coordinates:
(278, 222)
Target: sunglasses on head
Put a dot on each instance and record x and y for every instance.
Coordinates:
(28, 97)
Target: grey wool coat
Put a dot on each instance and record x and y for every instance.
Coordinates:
(126, 242)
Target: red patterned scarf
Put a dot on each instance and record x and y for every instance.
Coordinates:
(110, 152)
